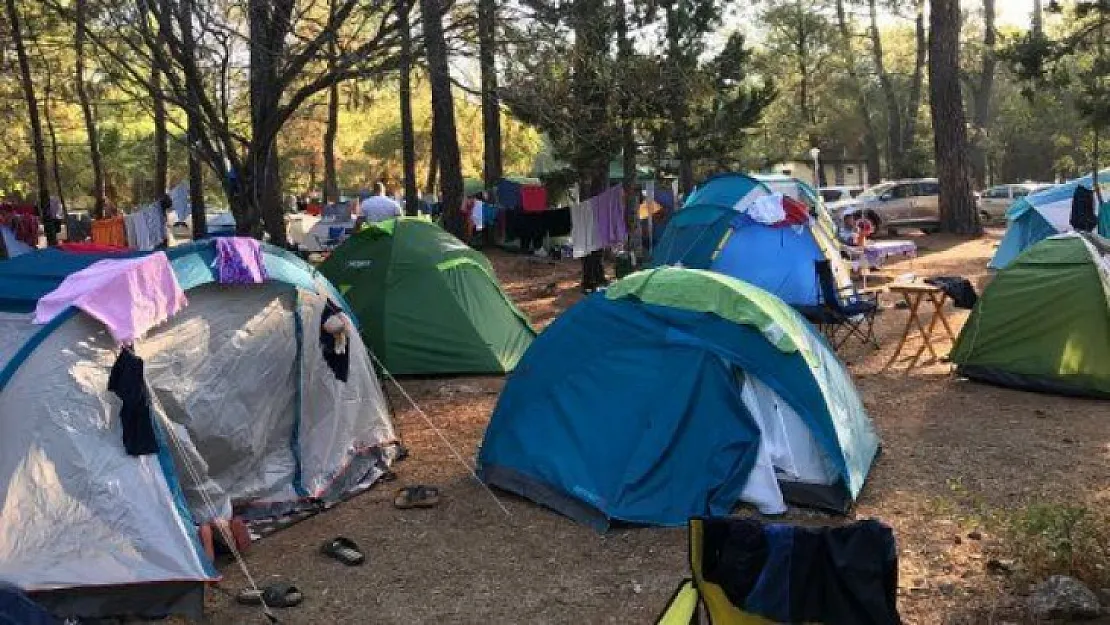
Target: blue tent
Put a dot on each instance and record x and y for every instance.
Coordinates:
(714, 231)
(1038, 216)
(676, 393)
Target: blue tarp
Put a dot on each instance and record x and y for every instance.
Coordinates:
(587, 426)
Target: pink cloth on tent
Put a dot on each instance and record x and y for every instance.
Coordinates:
(129, 295)
(239, 261)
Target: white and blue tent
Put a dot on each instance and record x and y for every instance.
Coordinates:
(1040, 215)
(250, 420)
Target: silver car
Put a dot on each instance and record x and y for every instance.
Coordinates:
(902, 203)
(995, 201)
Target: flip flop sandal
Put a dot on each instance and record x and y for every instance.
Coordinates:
(416, 497)
(277, 595)
(343, 549)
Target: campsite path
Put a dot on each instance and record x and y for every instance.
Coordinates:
(956, 455)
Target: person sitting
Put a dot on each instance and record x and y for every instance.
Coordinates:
(848, 233)
(376, 208)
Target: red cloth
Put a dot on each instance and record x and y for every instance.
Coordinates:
(19, 209)
(90, 248)
(533, 199)
(24, 225)
(796, 212)
(314, 209)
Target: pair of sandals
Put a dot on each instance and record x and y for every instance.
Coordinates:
(286, 595)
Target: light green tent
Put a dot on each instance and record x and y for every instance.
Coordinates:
(1043, 324)
(427, 303)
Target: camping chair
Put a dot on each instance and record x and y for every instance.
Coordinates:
(842, 312)
(858, 583)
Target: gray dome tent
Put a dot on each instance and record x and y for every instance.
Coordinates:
(249, 418)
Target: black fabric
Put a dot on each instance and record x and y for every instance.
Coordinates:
(835, 576)
(16, 608)
(556, 222)
(527, 227)
(340, 364)
(128, 383)
(959, 289)
(734, 555)
(593, 271)
(1083, 216)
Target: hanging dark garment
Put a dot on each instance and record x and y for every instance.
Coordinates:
(831, 575)
(1083, 216)
(959, 289)
(129, 384)
(340, 364)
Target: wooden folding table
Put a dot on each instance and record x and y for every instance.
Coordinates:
(914, 293)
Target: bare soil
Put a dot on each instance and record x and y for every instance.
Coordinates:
(946, 443)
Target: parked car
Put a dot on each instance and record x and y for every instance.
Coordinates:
(912, 203)
(836, 194)
(995, 201)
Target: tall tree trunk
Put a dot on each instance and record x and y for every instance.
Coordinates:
(983, 93)
(192, 138)
(491, 100)
(433, 162)
(28, 84)
(80, 9)
(628, 138)
(679, 105)
(913, 102)
(260, 195)
(408, 132)
(161, 136)
(331, 184)
(894, 147)
(957, 206)
(870, 141)
(590, 94)
(444, 136)
(1038, 19)
(196, 181)
(48, 117)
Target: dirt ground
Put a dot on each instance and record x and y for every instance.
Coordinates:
(945, 442)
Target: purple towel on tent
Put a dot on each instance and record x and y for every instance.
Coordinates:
(239, 261)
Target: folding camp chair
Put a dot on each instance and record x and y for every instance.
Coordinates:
(855, 580)
(842, 312)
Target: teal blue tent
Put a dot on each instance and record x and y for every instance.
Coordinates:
(1040, 215)
(677, 393)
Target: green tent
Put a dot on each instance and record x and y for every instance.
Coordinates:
(427, 303)
(1043, 324)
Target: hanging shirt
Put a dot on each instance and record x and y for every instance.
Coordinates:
(129, 384)
(768, 209)
(533, 199)
(477, 214)
(130, 227)
(609, 213)
(583, 229)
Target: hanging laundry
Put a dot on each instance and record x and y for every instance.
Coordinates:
(129, 228)
(583, 233)
(179, 201)
(477, 215)
(239, 261)
(128, 383)
(609, 213)
(128, 295)
(508, 194)
(109, 232)
(78, 227)
(533, 199)
(557, 222)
